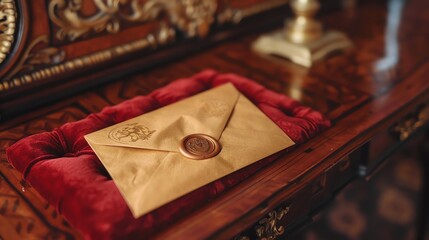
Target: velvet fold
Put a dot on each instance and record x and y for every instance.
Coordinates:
(63, 168)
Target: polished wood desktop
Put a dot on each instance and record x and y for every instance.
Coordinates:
(375, 94)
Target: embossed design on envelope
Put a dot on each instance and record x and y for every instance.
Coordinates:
(132, 132)
(213, 108)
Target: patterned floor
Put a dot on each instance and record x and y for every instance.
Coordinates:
(383, 208)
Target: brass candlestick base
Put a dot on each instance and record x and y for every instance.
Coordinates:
(303, 41)
(304, 54)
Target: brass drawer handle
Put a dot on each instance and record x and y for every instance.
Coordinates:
(268, 228)
(408, 126)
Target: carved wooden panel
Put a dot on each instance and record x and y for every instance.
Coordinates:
(54, 44)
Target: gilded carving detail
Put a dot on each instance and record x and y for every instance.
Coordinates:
(268, 228)
(192, 17)
(8, 18)
(31, 59)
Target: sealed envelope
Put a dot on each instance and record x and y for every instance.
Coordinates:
(169, 152)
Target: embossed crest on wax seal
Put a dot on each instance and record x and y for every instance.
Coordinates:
(213, 108)
(132, 132)
(199, 146)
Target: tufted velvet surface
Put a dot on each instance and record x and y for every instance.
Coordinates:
(62, 167)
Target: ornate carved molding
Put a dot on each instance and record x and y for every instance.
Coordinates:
(31, 59)
(192, 17)
(55, 57)
(8, 19)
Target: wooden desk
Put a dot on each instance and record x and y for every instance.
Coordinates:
(375, 94)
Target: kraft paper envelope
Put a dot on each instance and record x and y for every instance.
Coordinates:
(143, 158)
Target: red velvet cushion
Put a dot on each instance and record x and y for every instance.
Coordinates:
(62, 167)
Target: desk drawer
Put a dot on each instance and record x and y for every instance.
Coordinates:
(386, 142)
(296, 209)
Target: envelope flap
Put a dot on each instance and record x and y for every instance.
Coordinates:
(163, 129)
